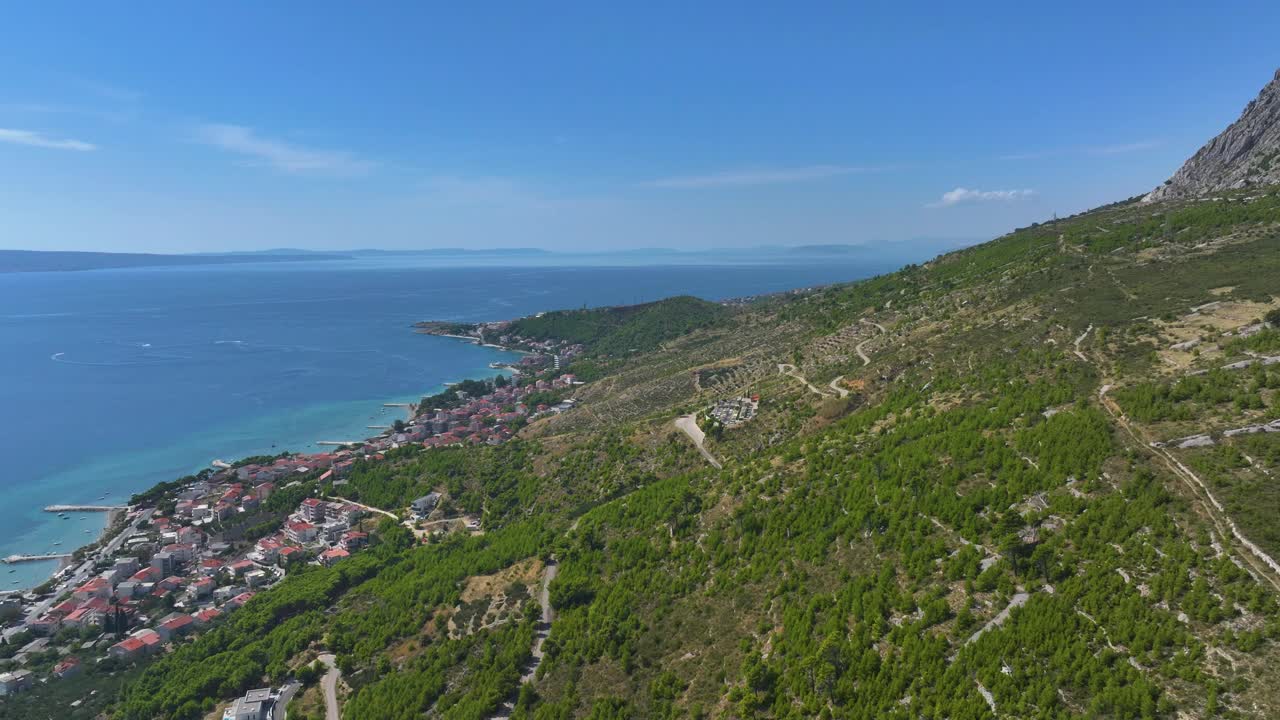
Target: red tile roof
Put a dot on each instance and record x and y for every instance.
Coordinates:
(132, 644)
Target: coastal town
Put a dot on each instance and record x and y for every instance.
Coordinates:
(184, 555)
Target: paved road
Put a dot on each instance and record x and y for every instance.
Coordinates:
(281, 711)
(85, 570)
(329, 683)
(689, 425)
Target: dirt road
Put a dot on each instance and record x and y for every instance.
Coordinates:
(688, 424)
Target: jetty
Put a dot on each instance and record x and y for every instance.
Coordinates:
(221, 464)
(12, 559)
(84, 508)
(400, 405)
(378, 427)
(339, 443)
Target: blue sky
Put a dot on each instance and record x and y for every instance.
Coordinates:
(233, 126)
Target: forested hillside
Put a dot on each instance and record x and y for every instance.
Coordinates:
(968, 493)
(624, 329)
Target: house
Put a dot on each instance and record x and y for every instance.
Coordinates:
(83, 617)
(124, 567)
(210, 566)
(239, 600)
(181, 552)
(288, 554)
(268, 549)
(240, 567)
(255, 705)
(97, 587)
(176, 626)
(332, 530)
(15, 682)
(354, 540)
(202, 588)
(333, 555)
(301, 532)
(425, 504)
(206, 616)
(164, 563)
(346, 513)
(191, 536)
(255, 578)
(151, 641)
(46, 624)
(64, 608)
(69, 667)
(130, 648)
(312, 509)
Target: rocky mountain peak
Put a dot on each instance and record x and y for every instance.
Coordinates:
(1246, 154)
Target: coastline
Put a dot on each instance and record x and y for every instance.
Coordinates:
(114, 519)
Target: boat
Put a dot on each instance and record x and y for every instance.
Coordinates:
(58, 542)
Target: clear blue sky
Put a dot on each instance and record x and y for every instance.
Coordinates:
(231, 126)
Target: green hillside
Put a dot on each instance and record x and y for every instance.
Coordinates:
(623, 329)
(963, 496)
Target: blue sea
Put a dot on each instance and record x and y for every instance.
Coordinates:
(113, 380)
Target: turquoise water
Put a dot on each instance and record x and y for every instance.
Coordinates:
(111, 381)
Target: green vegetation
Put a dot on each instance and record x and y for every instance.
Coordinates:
(622, 330)
(452, 396)
(1265, 341)
(979, 517)
(1189, 397)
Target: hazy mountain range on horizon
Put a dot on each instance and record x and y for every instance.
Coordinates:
(918, 249)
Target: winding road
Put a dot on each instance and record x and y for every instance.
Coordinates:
(862, 354)
(791, 371)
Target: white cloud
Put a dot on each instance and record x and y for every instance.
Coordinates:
(35, 139)
(965, 195)
(280, 155)
(765, 176)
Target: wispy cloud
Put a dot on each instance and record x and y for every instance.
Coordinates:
(965, 195)
(30, 138)
(280, 155)
(761, 176)
(1117, 149)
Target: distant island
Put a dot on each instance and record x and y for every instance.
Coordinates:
(19, 261)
